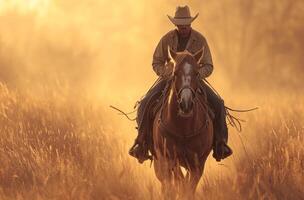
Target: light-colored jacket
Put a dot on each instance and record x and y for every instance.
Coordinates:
(195, 43)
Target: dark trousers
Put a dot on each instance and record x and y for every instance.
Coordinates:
(152, 95)
(214, 101)
(218, 107)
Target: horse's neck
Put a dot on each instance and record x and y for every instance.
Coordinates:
(171, 105)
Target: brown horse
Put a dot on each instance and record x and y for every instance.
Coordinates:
(182, 129)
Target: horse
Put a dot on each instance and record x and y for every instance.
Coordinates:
(182, 129)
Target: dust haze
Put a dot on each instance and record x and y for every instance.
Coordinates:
(64, 62)
(104, 46)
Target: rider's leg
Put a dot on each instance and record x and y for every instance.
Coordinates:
(140, 149)
(221, 149)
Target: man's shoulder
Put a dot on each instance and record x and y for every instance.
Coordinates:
(169, 34)
(198, 35)
(173, 33)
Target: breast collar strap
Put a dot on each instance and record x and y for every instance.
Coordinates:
(170, 132)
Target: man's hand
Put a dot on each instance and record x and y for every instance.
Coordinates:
(168, 69)
(205, 71)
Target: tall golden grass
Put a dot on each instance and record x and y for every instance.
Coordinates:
(55, 147)
(58, 143)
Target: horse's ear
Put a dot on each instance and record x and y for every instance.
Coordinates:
(199, 54)
(171, 53)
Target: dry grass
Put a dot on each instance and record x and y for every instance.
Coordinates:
(55, 148)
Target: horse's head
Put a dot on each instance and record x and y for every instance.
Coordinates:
(185, 78)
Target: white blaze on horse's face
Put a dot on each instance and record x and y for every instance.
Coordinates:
(186, 93)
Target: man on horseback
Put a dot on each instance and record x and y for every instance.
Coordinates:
(180, 39)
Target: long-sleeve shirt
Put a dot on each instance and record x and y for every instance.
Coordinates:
(196, 42)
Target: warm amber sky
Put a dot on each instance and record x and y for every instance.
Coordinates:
(105, 47)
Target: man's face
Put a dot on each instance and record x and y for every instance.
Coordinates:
(184, 30)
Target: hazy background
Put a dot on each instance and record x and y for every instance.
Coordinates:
(107, 46)
(63, 62)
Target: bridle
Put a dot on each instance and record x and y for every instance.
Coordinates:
(178, 92)
(169, 132)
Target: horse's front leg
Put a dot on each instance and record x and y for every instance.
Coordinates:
(192, 181)
(167, 178)
(164, 171)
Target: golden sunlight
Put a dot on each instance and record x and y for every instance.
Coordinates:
(24, 6)
(63, 62)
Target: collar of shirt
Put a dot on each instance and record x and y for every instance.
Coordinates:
(190, 41)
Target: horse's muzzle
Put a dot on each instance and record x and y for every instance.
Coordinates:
(185, 108)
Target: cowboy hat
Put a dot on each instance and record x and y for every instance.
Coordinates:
(182, 16)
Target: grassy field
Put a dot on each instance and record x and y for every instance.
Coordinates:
(56, 147)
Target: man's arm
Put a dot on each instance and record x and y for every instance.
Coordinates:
(160, 57)
(206, 64)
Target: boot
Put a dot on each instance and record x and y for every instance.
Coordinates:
(221, 150)
(140, 150)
